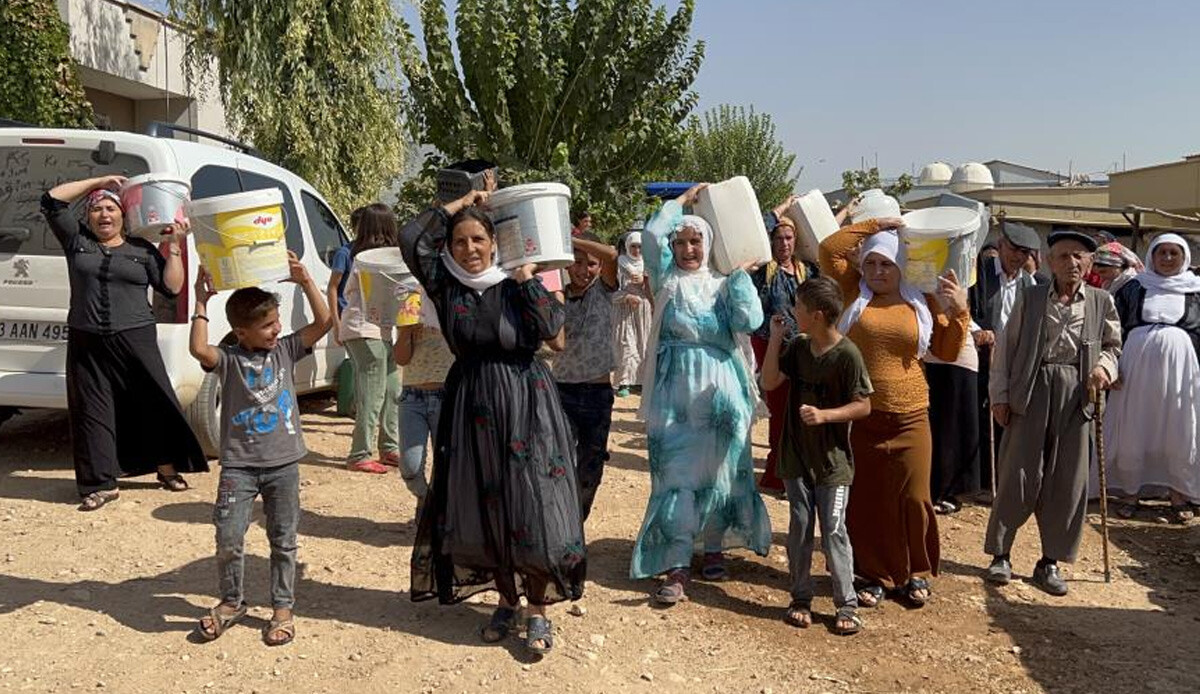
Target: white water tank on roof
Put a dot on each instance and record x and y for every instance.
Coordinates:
(971, 176)
(936, 174)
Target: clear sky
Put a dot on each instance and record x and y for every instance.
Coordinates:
(1054, 84)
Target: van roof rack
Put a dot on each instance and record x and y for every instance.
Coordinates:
(168, 130)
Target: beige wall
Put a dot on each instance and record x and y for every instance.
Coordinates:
(1173, 187)
(127, 54)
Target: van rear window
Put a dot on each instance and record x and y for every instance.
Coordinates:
(27, 172)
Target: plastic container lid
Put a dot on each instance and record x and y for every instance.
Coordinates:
(154, 178)
(208, 207)
(941, 222)
(528, 191)
(387, 260)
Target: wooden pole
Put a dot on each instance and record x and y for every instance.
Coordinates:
(1098, 426)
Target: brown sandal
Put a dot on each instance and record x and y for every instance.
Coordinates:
(219, 622)
(173, 483)
(96, 500)
(287, 627)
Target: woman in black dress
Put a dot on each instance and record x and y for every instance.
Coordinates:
(125, 420)
(503, 512)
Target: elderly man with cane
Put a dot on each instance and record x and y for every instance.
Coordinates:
(1060, 348)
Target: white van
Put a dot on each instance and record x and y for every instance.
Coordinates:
(33, 275)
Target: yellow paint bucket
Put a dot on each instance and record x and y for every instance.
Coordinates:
(240, 238)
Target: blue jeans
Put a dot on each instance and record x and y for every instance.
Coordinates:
(588, 407)
(419, 410)
(236, 491)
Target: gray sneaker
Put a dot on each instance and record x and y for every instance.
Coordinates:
(999, 573)
(1047, 577)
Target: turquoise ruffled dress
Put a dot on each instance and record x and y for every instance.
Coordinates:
(702, 490)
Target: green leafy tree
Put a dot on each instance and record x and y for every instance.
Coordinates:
(590, 93)
(39, 83)
(313, 84)
(855, 182)
(730, 142)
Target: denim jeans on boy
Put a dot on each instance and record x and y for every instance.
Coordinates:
(419, 410)
(236, 491)
(588, 407)
(806, 505)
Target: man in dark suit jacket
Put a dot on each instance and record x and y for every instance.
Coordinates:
(998, 281)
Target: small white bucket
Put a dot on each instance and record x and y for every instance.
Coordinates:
(533, 225)
(153, 202)
(814, 222)
(240, 238)
(874, 204)
(739, 235)
(938, 239)
(381, 280)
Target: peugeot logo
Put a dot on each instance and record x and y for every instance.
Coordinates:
(21, 267)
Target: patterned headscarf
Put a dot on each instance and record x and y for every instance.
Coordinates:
(99, 195)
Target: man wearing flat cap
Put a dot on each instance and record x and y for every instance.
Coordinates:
(1060, 346)
(999, 278)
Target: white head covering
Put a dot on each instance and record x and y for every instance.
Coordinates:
(888, 245)
(481, 282)
(629, 265)
(697, 288)
(1182, 282)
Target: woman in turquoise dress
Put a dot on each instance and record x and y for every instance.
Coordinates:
(698, 407)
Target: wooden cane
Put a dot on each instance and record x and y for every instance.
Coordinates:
(1098, 425)
(992, 447)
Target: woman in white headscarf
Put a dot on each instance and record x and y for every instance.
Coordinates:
(698, 405)
(1153, 419)
(890, 517)
(632, 314)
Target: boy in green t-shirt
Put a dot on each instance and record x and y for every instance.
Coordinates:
(829, 389)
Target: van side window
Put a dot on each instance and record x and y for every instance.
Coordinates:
(211, 181)
(295, 236)
(327, 234)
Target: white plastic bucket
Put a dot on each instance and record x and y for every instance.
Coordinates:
(970, 247)
(937, 239)
(381, 280)
(240, 238)
(814, 223)
(533, 225)
(739, 235)
(153, 202)
(874, 204)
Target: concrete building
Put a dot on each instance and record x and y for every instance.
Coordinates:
(131, 63)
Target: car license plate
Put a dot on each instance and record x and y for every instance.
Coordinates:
(32, 331)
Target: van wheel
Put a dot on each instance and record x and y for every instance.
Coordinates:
(203, 415)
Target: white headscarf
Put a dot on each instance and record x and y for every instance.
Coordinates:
(481, 282)
(698, 288)
(888, 245)
(628, 264)
(1182, 282)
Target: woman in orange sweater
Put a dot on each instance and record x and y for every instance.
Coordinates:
(890, 517)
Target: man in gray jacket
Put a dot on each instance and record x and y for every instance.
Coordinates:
(1059, 347)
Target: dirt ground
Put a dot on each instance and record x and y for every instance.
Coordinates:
(109, 600)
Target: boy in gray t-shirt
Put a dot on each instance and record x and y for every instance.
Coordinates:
(261, 441)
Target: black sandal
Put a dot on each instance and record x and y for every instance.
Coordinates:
(798, 615)
(538, 628)
(96, 500)
(850, 615)
(911, 589)
(173, 483)
(870, 596)
(500, 625)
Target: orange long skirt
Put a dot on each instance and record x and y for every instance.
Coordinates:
(890, 517)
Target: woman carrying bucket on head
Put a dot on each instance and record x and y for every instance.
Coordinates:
(125, 420)
(503, 511)
(376, 381)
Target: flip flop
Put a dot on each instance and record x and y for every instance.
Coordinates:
(219, 622)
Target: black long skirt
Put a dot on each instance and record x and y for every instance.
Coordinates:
(954, 423)
(125, 419)
(503, 511)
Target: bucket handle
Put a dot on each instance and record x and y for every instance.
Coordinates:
(238, 237)
(155, 185)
